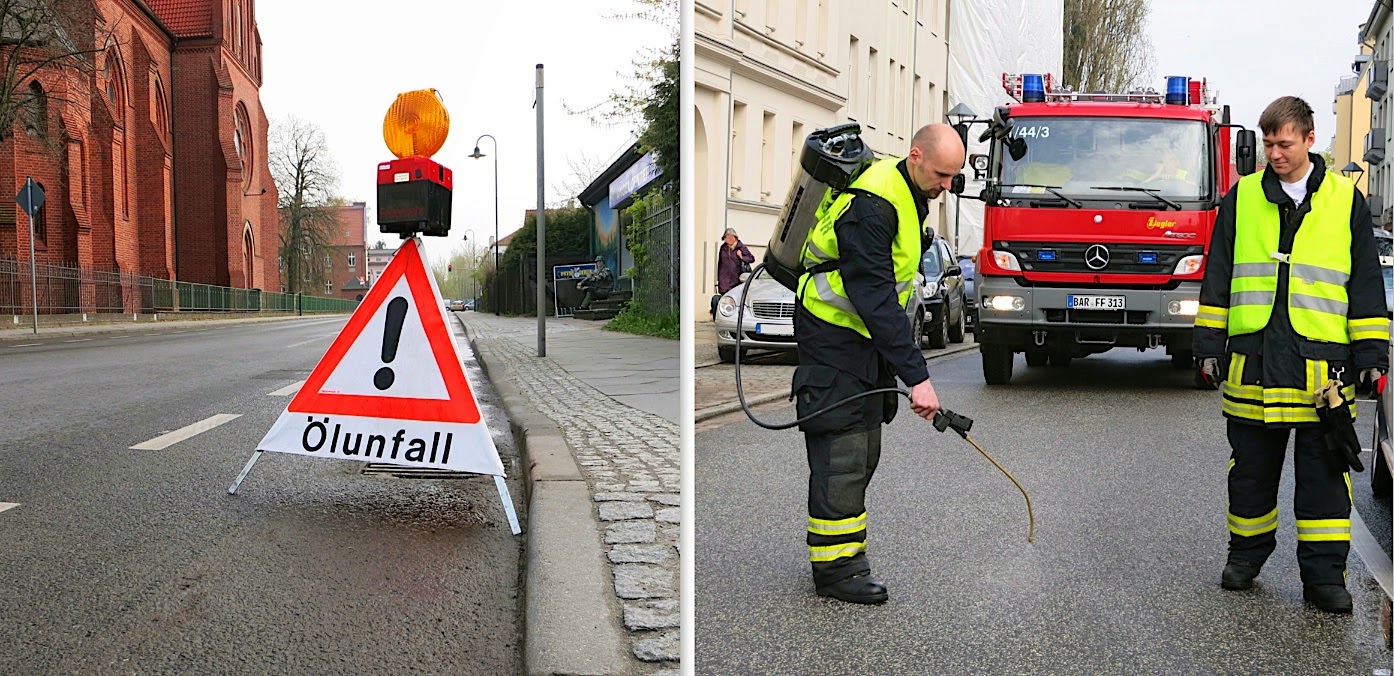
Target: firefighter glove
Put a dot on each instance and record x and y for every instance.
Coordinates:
(1368, 383)
(1210, 371)
(1337, 427)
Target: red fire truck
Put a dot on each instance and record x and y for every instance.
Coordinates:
(1098, 214)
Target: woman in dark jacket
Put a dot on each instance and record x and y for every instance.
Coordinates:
(731, 259)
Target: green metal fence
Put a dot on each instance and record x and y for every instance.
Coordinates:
(71, 289)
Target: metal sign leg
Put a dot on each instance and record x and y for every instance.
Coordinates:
(256, 455)
(507, 504)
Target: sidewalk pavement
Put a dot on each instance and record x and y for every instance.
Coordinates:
(597, 421)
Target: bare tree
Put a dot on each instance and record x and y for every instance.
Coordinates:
(1106, 44)
(581, 170)
(306, 179)
(62, 37)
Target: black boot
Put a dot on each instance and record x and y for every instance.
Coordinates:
(1238, 575)
(1333, 598)
(860, 588)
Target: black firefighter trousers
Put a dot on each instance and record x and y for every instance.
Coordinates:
(844, 447)
(1321, 502)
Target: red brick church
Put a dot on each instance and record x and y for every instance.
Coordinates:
(154, 159)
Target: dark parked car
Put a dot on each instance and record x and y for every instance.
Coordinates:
(970, 302)
(943, 296)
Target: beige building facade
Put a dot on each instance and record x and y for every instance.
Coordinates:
(768, 72)
(1352, 109)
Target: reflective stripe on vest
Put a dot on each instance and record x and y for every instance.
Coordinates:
(823, 293)
(1318, 267)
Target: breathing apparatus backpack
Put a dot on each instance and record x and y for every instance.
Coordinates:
(831, 159)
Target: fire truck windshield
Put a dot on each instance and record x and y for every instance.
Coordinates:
(1095, 157)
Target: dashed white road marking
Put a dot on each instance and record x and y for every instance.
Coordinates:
(8, 505)
(26, 345)
(78, 340)
(179, 332)
(171, 438)
(312, 340)
(287, 390)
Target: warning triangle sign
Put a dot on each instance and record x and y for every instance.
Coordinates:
(391, 388)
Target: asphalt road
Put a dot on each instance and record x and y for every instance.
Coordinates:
(1125, 465)
(137, 561)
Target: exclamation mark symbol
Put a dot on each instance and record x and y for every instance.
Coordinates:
(396, 312)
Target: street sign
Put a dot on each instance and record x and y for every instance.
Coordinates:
(30, 198)
(391, 388)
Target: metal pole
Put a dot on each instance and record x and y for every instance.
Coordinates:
(33, 272)
(541, 231)
(496, 225)
(958, 211)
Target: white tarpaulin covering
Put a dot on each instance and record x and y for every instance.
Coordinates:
(988, 38)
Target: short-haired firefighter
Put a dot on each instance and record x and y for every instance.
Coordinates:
(853, 336)
(1293, 298)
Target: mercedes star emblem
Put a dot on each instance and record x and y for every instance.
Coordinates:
(1096, 257)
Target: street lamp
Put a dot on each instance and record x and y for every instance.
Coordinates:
(476, 155)
(1352, 168)
(473, 259)
(962, 116)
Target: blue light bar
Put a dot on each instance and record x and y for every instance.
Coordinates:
(1178, 90)
(1147, 257)
(1032, 88)
(1045, 255)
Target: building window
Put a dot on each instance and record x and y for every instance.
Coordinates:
(36, 111)
(328, 288)
(242, 141)
(352, 260)
(854, 79)
(328, 262)
(115, 83)
(767, 156)
(738, 150)
(161, 109)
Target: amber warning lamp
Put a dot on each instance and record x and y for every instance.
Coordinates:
(413, 190)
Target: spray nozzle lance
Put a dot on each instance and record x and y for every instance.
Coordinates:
(944, 419)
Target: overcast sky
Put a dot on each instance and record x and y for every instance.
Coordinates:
(1254, 51)
(340, 64)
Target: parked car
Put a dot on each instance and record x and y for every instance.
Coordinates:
(469, 304)
(969, 265)
(769, 317)
(943, 296)
(457, 305)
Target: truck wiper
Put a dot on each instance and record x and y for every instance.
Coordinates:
(1151, 192)
(1052, 189)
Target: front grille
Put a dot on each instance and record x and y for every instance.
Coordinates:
(1096, 316)
(1123, 258)
(772, 310)
(767, 338)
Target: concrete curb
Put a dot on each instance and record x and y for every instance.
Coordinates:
(570, 617)
(24, 333)
(733, 406)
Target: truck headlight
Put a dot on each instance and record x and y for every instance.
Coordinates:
(727, 306)
(1189, 265)
(1006, 260)
(1187, 308)
(1006, 303)
(931, 288)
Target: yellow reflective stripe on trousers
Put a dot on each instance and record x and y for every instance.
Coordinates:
(837, 526)
(1350, 495)
(835, 552)
(1249, 527)
(1323, 530)
(1211, 317)
(1375, 328)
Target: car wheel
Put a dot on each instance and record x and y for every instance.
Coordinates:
(939, 333)
(1037, 358)
(1183, 359)
(997, 364)
(727, 353)
(956, 331)
(917, 330)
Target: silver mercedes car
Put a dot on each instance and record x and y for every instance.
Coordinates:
(769, 317)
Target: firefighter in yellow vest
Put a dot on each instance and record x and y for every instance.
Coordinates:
(1293, 296)
(853, 336)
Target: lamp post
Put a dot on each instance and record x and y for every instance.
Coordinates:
(1352, 168)
(473, 259)
(960, 115)
(476, 155)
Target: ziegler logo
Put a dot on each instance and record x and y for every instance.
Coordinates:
(1154, 224)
